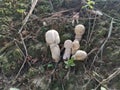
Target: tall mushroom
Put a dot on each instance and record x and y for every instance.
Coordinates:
(68, 47)
(79, 31)
(75, 46)
(80, 55)
(52, 38)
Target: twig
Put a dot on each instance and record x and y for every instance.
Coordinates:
(102, 46)
(27, 17)
(26, 52)
(24, 45)
(113, 75)
(19, 48)
(51, 75)
(21, 68)
(86, 84)
(51, 5)
(92, 29)
(6, 46)
(67, 75)
(110, 77)
(25, 56)
(111, 17)
(89, 15)
(92, 51)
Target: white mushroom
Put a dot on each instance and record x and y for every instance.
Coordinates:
(55, 50)
(75, 46)
(79, 31)
(68, 47)
(52, 38)
(79, 55)
(44, 23)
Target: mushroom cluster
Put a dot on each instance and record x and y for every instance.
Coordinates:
(76, 53)
(71, 47)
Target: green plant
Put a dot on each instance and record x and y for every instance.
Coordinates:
(32, 72)
(69, 63)
(50, 65)
(90, 4)
(14, 89)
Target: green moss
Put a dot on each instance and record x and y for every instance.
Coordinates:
(32, 72)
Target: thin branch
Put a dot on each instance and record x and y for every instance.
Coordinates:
(51, 75)
(109, 78)
(27, 17)
(23, 42)
(111, 17)
(21, 68)
(25, 58)
(102, 46)
(51, 4)
(92, 29)
(26, 52)
(113, 75)
(93, 50)
(6, 46)
(19, 47)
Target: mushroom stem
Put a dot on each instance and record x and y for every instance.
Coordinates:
(55, 51)
(68, 46)
(67, 54)
(78, 37)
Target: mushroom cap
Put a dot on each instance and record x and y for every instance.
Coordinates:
(68, 44)
(52, 36)
(79, 29)
(80, 55)
(75, 45)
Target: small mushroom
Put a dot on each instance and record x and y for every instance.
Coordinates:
(52, 38)
(44, 23)
(68, 47)
(80, 55)
(75, 46)
(79, 31)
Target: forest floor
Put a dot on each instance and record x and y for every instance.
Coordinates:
(25, 58)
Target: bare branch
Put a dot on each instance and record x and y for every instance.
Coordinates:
(27, 17)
